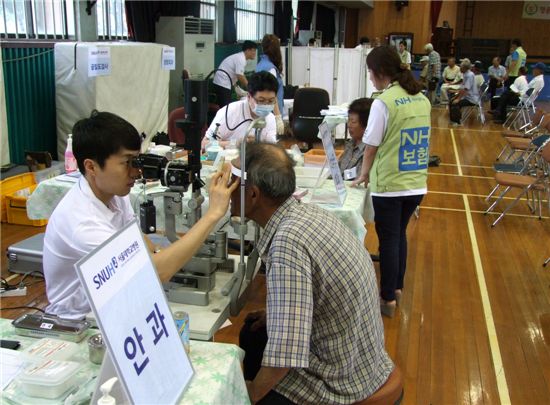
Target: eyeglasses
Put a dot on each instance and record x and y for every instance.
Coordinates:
(263, 101)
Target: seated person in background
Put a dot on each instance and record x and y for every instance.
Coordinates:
(519, 89)
(404, 55)
(511, 95)
(423, 79)
(235, 118)
(320, 339)
(234, 66)
(98, 206)
(352, 159)
(477, 68)
(451, 80)
(496, 76)
(478, 76)
(468, 94)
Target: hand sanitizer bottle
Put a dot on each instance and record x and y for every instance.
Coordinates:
(70, 161)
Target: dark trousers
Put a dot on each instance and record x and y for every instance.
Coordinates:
(223, 95)
(493, 86)
(391, 216)
(253, 343)
(454, 109)
(507, 98)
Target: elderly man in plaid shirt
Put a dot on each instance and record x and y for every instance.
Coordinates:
(320, 339)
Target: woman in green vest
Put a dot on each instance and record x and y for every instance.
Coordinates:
(395, 164)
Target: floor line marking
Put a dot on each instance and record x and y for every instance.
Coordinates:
(458, 166)
(480, 212)
(474, 166)
(472, 129)
(459, 175)
(500, 375)
(478, 195)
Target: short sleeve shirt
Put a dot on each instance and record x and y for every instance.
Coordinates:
(234, 65)
(323, 313)
(79, 224)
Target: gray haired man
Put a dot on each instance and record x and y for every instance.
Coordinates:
(320, 338)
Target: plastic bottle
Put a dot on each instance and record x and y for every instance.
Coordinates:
(70, 161)
(212, 149)
(106, 388)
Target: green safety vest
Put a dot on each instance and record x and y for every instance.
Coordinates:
(401, 161)
(521, 62)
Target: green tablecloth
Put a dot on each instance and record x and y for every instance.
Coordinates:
(357, 208)
(218, 377)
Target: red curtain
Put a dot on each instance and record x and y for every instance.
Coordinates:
(435, 9)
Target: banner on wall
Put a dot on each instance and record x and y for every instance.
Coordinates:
(539, 10)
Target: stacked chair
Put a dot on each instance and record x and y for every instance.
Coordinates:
(528, 172)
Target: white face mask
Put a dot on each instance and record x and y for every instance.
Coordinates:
(261, 110)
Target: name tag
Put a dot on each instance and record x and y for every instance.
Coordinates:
(350, 174)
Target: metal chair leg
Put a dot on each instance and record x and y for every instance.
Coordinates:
(500, 197)
(508, 208)
(492, 192)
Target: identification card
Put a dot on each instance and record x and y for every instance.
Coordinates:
(350, 174)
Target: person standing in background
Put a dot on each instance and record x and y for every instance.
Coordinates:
(434, 71)
(395, 164)
(518, 58)
(231, 71)
(272, 61)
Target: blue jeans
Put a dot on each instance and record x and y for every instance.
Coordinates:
(391, 216)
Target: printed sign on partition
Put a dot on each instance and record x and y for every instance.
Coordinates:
(539, 10)
(168, 58)
(326, 137)
(99, 61)
(130, 307)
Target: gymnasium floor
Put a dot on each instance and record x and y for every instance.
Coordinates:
(474, 323)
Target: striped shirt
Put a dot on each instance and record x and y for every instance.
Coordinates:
(323, 311)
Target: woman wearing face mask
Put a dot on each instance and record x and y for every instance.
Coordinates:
(232, 121)
(395, 164)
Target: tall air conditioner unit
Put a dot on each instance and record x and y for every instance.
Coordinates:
(193, 39)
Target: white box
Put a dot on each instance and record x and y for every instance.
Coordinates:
(307, 176)
(49, 379)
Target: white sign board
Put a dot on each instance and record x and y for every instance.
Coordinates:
(99, 61)
(131, 310)
(168, 58)
(539, 10)
(326, 137)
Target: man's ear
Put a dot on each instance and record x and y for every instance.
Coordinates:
(91, 166)
(254, 195)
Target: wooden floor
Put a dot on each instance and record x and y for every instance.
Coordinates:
(474, 323)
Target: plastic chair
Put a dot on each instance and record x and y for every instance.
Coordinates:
(176, 134)
(308, 103)
(389, 393)
(527, 184)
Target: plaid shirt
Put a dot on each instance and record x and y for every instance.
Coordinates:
(323, 311)
(435, 59)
